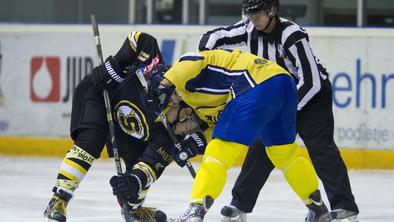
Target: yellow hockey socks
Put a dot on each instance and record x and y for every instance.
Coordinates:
(297, 170)
(74, 168)
(219, 156)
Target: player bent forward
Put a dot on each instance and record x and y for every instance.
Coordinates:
(143, 142)
(255, 98)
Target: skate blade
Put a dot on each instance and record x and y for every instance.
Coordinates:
(50, 220)
(226, 219)
(350, 219)
(176, 220)
(233, 219)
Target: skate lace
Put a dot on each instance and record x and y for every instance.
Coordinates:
(56, 206)
(145, 213)
(194, 210)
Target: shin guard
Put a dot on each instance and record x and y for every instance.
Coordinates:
(297, 170)
(219, 156)
(74, 168)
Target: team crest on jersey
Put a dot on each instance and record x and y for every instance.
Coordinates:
(132, 120)
(260, 61)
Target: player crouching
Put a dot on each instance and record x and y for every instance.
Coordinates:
(146, 147)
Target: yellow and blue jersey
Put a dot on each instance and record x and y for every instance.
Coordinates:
(208, 80)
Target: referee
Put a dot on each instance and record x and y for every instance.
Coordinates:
(287, 44)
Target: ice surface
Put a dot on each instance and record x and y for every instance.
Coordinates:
(26, 185)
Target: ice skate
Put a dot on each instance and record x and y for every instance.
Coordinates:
(56, 209)
(343, 215)
(146, 214)
(232, 214)
(195, 212)
(318, 211)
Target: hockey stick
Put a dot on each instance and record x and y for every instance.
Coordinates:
(164, 120)
(108, 109)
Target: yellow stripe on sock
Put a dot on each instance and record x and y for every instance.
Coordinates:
(76, 166)
(68, 175)
(148, 171)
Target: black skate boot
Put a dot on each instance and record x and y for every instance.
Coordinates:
(232, 214)
(318, 211)
(56, 209)
(341, 214)
(195, 212)
(146, 214)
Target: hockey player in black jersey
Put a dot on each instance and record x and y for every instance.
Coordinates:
(143, 141)
(286, 43)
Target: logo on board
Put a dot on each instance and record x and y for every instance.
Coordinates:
(45, 79)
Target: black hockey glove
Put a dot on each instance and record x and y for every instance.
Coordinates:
(128, 187)
(189, 147)
(107, 75)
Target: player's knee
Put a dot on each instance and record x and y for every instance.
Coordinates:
(91, 140)
(222, 151)
(78, 153)
(283, 155)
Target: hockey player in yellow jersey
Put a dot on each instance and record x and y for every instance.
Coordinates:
(241, 96)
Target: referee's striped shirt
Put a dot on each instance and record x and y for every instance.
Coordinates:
(287, 45)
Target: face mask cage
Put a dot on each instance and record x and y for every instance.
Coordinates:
(192, 118)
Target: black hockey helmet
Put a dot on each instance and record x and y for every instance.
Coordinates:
(251, 6)
(157, 90)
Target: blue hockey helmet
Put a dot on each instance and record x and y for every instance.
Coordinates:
(155, 88)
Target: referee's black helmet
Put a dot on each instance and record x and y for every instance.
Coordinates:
(251, 6)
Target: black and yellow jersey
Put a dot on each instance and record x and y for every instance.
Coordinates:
(135, 111)
(208, 80)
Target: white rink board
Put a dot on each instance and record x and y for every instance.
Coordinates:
(360, 62)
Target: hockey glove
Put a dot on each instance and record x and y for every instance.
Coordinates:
(189, 147)
(128, 186)
(107, 75)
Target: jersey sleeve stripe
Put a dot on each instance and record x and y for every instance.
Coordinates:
(133, 39)
(191, 57)
(231, 36)
(308, 72)
(293, 38)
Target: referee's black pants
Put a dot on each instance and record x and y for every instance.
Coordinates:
(315, 126)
